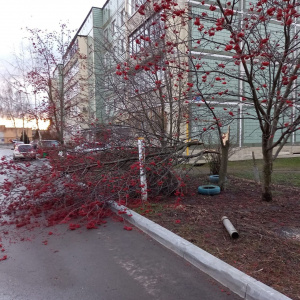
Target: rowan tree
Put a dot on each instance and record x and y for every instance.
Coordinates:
(239, 61)
(55, 84)
(238, 67)
(138, 83)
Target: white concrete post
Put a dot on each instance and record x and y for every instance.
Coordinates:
(143, 180)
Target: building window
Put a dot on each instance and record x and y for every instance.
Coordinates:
(135, 4)
(90, 49)
(72, 51)
(122, 46)
(113, 27)
(106, 34)
(122, 16)
(72, 91)
(152, 28)
(115, 51)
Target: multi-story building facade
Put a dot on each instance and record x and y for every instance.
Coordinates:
(75, 87)
(117, 33)
(244, 128)
(74, 83)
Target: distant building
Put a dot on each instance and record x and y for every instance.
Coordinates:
(7, 134)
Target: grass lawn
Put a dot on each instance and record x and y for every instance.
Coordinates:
(286, 171)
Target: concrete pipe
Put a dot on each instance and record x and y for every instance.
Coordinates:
(230, 228)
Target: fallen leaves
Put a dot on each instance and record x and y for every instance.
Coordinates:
(128, 228)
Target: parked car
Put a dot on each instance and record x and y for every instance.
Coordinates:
(44, 147)
(16, 142)
(24, 151)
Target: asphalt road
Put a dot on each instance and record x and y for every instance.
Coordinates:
(5, 151)
(108, 263)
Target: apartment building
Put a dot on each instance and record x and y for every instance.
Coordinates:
(75, 87)
(74, 82)
(117, 32)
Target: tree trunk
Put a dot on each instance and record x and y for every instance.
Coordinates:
(224, 159)
(267, 175)
(223, 166)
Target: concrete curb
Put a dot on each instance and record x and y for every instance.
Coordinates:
(238, 282)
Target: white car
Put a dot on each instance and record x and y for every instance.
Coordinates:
(24, 151)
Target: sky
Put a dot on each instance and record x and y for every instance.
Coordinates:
(18, 14)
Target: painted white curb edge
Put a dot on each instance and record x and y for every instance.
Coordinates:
(238, 282)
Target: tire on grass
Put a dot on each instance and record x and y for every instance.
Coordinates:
(209, 189)
(214, 178)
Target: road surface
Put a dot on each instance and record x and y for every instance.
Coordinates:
(108, 263)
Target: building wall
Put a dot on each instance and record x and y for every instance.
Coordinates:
(106, 27)
(7, 133)
(92, 28)
(75, 87)
(244, 128)
(113, 41)
(79, 75)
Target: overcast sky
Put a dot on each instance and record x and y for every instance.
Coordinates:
(43, 14)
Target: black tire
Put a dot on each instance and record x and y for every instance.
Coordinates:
(209, 190)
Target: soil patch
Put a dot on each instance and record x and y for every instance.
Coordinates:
(268, 247)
